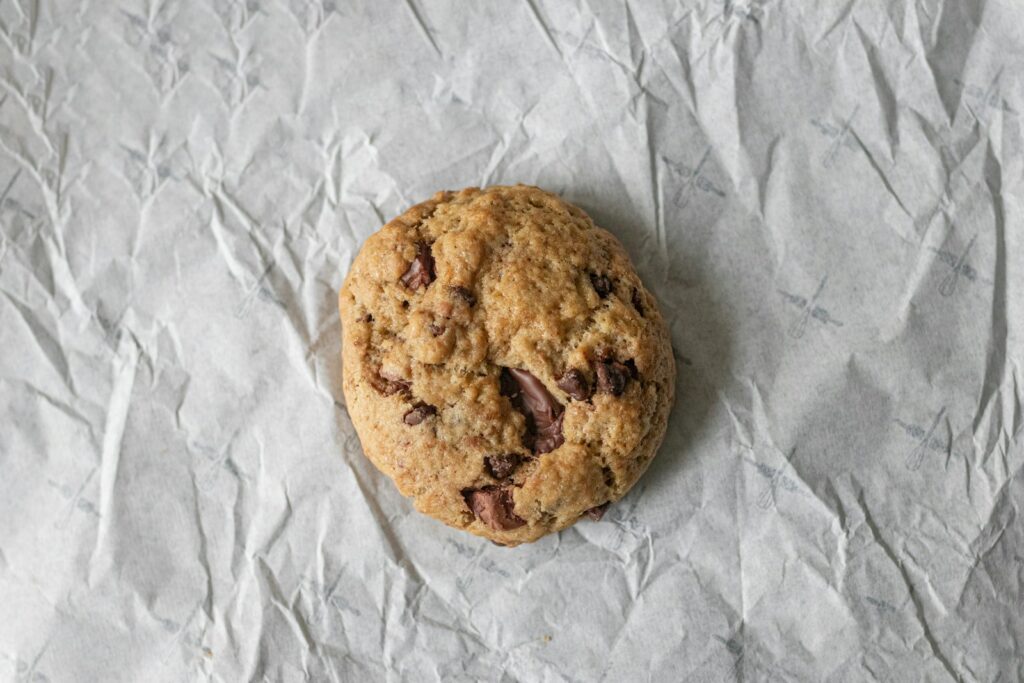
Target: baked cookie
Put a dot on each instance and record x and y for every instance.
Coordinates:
(503, 363)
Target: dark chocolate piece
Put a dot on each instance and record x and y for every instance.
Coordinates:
(602, 284)
(493, 505)
(575, 384)
(637, 302)
(543, 413)
(501, 466)
(550, 438)
(418, 413)
(421, 271)
(596, 513)
(464, 294)
(612, 377)
(389, 384)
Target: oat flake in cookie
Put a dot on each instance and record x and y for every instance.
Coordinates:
(503, 363)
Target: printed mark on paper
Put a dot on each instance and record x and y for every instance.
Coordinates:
(734, 645)
(26, 671)
(164, 61)
(694, 179)
(327, 597)
(778, 481)
(745, 11)
(10, 204)
(75, 500)
(927, 439)
(841, 135)
(808, 309)
(212, 463)
(881, 605)
(485, 563)
(260, 291)
(957, 262)
(977, 99)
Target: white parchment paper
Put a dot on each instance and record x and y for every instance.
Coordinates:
(826, 198)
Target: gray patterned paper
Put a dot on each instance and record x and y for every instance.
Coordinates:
(826, 198)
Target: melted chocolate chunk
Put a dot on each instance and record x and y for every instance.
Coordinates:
(501, 466)
(602, 284)
(464, 295)
(638, 303)
(575, 384)
(436, 330)
(612, 377)
(421, 270)
(418, 413)
(543, 413)
(596, 513)
(494, 506)
(507, 384)
(549, 439)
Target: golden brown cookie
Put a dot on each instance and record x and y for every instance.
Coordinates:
(503, 363)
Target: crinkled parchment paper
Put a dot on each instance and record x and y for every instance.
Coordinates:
(825, 197)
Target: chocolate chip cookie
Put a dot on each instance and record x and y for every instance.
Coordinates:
(503, 363)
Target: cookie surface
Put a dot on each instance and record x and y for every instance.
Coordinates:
(503, 363)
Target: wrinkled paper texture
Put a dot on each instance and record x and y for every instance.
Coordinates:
(825, 198)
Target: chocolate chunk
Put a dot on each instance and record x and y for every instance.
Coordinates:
(464, 294)
(418, 413)
(501, 466)
(507, 384)
(609, 476)
(633, 372)
(366, 318)
(543, 413)
(494, 506)
(389, 387)
(602, 284)
(436, 330)
(575, 384)
(638, 303)
(596, 513)
(612, 377)
(549, 439)
(421, 270)
(389, 384)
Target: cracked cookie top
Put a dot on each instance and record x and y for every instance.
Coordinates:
(503, 363)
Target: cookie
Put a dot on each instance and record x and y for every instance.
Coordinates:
(503, 363)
